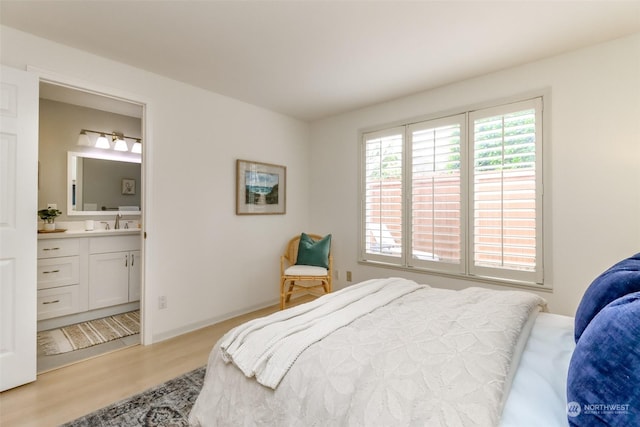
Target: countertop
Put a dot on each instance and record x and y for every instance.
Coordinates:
(93, 233)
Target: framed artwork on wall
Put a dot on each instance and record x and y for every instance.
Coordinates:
(260, 188)
(128, 186)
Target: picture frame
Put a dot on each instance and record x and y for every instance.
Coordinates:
(261, 188)
(128, 186)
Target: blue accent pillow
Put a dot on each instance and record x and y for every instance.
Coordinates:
(315, 253)
(604, 373)
(621, 279)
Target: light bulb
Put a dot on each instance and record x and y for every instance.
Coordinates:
(103, 142)
(120, 144)
(137, 147)
(83, 139)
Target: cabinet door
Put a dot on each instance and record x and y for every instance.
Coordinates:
(135, 275)
(108, 279)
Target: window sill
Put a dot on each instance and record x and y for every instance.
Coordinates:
(474, 279)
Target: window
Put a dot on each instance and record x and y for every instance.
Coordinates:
(383, 193)
(460, 194)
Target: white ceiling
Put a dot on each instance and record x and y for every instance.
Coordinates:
(313, 59)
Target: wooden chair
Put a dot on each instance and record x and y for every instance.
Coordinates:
(296, 279)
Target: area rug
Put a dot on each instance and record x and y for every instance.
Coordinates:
(165, 405)
(87, 334)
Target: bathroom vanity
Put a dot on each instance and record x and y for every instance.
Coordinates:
(88, 274)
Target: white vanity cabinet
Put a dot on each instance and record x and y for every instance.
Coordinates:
(58, 278)
(114, 270)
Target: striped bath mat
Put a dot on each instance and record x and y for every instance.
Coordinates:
(87, 334)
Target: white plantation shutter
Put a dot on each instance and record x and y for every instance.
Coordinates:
(459, 195)
(383, 194)
(436, 194)
(506, 195)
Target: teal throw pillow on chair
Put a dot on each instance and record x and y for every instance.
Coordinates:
(315, 253)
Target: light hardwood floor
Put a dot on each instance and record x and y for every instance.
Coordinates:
(67, 393)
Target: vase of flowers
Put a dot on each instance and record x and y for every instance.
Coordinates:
(48, 216)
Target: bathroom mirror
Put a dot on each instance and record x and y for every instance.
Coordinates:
(103, 184)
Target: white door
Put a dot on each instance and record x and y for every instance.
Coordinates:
(18, 224)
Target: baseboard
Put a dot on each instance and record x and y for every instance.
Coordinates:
(210, 321)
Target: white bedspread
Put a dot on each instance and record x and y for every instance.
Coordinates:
(432, 357)
(267, 347)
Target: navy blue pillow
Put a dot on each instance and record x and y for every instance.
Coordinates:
(619, 280)
(603, 386)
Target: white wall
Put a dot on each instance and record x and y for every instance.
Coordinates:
(208, 262)
(592, 176)
(212, 264)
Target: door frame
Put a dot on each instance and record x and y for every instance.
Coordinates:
(46, 76)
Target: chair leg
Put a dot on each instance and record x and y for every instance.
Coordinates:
(291, 284)
(282, 284)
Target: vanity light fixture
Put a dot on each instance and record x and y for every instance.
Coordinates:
(119, 144)
(103, 142)
(83, 139)
(137, 147)
(119, 141)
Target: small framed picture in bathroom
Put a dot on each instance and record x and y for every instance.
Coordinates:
(128, 186)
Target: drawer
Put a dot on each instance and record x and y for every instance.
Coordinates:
(100, 245)
(58, 301)
(58, 247)
(54, 272)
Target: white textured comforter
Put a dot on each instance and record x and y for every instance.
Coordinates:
(266, 348)
(432, 357)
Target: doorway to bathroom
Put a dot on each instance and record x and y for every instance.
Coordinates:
(90, 276)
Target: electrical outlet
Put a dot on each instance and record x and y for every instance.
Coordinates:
(52, 206)
(348, 276)
(162, 302)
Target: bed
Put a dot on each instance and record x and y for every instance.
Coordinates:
(416, 355)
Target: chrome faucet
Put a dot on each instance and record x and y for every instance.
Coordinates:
(117, 224)
(106, 225)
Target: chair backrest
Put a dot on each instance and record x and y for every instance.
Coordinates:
(291, 253)
(382, 237)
